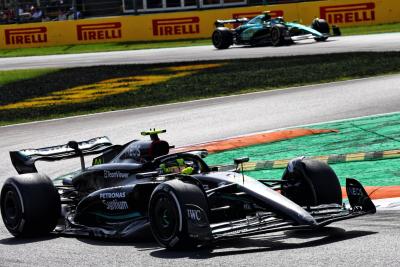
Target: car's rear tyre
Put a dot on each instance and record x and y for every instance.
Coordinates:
(277, 38)
(168, 214)
(30, 205)
(320, 25)
(222, 38)
(310, 182)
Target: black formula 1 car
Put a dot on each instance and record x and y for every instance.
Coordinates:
(185, 202)
(263, 30)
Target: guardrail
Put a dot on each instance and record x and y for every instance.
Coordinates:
(191, 24)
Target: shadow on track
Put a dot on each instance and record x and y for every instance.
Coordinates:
(264, 243)
(281, 241)
(12, 241)
(143, 241)
(296, 43)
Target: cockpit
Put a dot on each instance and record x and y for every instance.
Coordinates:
(154, 154)
(143, 151)
(183, 163)
(266, 18)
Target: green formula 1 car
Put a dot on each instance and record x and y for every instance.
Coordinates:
(264, 30)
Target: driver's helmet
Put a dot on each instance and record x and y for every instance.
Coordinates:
(267, 16)
(179, 166)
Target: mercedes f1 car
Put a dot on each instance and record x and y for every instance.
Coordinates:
(263, 30)
(185, 202)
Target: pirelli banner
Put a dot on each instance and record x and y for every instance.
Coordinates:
(190, 24)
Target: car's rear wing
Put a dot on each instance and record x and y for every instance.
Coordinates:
(24, 160)
(221, 23)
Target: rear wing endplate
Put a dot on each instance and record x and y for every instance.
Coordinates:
(24, 160)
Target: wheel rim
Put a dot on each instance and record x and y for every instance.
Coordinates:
(166, 218)
(275, 36)
(11, 209)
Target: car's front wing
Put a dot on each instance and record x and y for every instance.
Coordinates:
(266, 222)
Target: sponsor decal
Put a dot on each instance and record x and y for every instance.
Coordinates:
(99, 31)
(247, 206)
(355, 191)
(116, 205)
(26, 35)
(133, 152)
(115, 174)
(177, 26)
(194, 215)
(97, 161)
(108, 195)
(348, 13)
(250, 15)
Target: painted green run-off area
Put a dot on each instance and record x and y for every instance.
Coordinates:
(359, 135)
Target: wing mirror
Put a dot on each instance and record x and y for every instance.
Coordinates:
(240, 161)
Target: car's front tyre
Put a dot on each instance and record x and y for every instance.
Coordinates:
(168, 213)
(310, 182)
(277, 38)
(320, 25)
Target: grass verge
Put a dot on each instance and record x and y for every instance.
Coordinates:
(105, 47)
(66, 92)
(371, 29)
(11, 76)
(101, 47)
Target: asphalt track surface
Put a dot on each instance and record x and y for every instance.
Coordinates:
(360, 43)
(365, 241)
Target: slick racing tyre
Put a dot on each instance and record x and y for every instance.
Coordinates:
(310, 182)
(30, 205)
(222, 38)
(321, 26)
(168, 213)
(277, 38)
